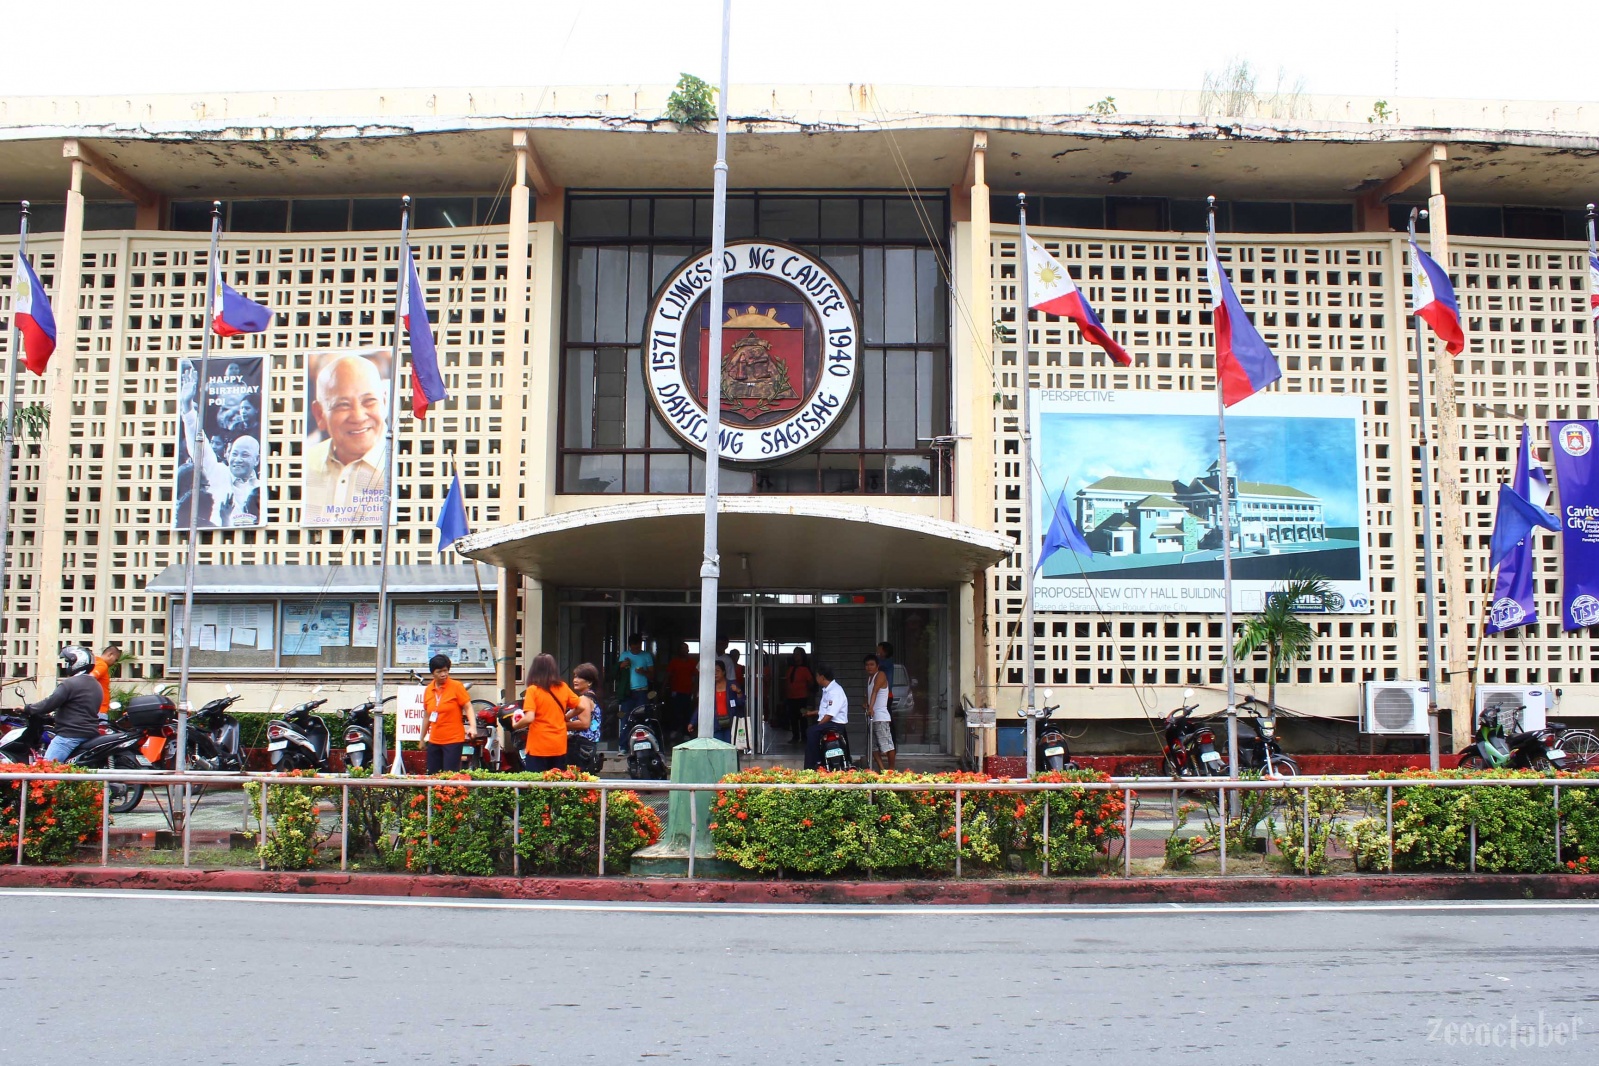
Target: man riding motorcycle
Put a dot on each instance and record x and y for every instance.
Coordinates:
(75, 704)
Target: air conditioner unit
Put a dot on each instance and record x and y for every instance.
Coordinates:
(1532, 702)
(1394, 707)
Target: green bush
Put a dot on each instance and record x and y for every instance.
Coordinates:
(61, 814)
(819, 832)
(295, 833)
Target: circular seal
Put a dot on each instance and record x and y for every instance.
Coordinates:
(790, 351)
(1506, 613)
(1584, 612)
(1575, 439)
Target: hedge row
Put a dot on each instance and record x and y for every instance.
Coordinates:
(808, 831)
(61, 814)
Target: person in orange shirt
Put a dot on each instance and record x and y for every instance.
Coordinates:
(544, 712)
(682, 679)
(445, 710)
(104, 663)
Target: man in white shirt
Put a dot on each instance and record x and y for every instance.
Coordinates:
(882, 735)
(346, 475)
(832, 707)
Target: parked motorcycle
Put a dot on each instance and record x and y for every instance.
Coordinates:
(834, 744)
(505, 744)
(1493, 749)
(357, 730)
(25, 735)
(216, 742)
(642, 730)
(1052, 751)
(137, 740)
(1259, 749)
(299, 740)
(1189, 747)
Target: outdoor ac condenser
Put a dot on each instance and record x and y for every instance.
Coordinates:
(1394, 707)
(1534, 701)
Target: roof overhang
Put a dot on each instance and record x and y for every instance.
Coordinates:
(404, 580)
(764, 542)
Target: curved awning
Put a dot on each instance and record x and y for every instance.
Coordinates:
(765, 542)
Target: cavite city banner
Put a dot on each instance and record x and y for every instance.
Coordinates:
(1578, 481)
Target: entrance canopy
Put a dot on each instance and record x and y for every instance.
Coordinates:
(765, 542)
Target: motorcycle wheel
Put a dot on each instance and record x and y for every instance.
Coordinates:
(1285, 766)
(124, 797)
(1472, 761)
(634, 770)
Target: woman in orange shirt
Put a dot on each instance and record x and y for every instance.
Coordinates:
(445, 708)
(544, 708)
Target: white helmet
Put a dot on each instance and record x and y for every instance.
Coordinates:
(75, 660)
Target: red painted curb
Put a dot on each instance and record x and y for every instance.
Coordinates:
(1096, 890)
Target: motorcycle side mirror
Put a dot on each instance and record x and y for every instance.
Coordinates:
(228, 689)
(1049, 694)
(316, 690)
(1188, 694)
(116, 705)
(276, 707)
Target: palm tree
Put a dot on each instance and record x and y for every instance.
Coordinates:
(1285, 636)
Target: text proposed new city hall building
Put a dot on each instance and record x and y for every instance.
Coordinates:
(870, 385)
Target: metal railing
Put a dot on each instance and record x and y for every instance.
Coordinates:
(1126, 787)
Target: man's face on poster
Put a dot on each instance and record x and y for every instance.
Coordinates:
(244, 458)
(349, 407)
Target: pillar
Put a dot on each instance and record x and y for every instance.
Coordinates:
(974, 413)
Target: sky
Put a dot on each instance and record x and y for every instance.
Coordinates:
(1540, 49)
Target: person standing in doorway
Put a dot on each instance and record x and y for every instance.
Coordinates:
(583, 726)
(797, 685)
(885, 664)
(544, 713)
(445, 710)
(640, 672)
(877, 715)
(104, 663)
(729, 705)
(831, 708)
(682, 677)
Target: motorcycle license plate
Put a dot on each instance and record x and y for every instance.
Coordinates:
(355, 747)
(1555, 753)
(835, 753)
(1054, 751)
(642, 745)
(1210, 756)
(277, 745)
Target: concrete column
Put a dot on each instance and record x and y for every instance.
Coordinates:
(59, 389)
(1457, 613)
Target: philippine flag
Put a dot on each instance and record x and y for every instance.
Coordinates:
(1244, 364)
(1433, 300)
(34, 318)
(1593, 286)
(1051, 289)
(427, 386)
(237, 314)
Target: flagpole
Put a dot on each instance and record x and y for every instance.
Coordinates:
(710, 565)
(10, 437)
(401, 288)
(1428, 581)
(1025, 388)
(483, 604)
(213, 276)
(1224, 492)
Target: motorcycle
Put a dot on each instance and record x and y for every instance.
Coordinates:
(1052, 751)
(834, 744)
(1260, 750)
(357, 730)
(1189, 747)
(1494, 749)
(503, 748)
(136, 741)
(642, 729)
(299, 740)
(26, 735)
(215, 740)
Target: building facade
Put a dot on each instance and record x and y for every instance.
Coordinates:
(549, 245)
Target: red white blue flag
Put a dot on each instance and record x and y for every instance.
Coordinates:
(1593, 286)
(1433, 300)
(1244, 363)
(235, 314)
(31, 308)
(1050, 289)
(427, 384)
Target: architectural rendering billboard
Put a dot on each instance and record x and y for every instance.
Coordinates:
(1140, 473)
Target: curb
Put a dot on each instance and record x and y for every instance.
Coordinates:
(1099, 890)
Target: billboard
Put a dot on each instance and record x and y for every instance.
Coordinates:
(345, 470)
(219, 443)
(1140, 472)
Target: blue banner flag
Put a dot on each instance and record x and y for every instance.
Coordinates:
(1572, 447)
(1515, 595)
(1063, 533)
(452, 516)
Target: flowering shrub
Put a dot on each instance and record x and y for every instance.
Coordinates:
(295, 833)
(61, 814)
(811, 831)
(1326, 828)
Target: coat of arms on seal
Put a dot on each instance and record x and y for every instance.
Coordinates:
(763, 358)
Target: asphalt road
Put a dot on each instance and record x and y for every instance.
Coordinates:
(181, 978)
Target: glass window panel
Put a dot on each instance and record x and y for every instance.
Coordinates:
(840, 218)
(496, 210)
(932, 301)
(581, 277)
(927, 393)
(610, 306)
(795, 475)
(1136, 212)
(899, 400)
(638, 293)
(740, 218)
(673, 218)
(320, 631)
(841, 471)
(579, 411)
(375, 212)
(443, 212)
(899, 295)
(596, 217)
(1251, 217)
(637, 404)
(900, 220)
(639, 216)
(1069, 212)
(610, 397)
(872, 219)
(258, 216)
(320, 216)
(872, 398)
(872, 295)
(633, 473)
(593, 473)
(1324, 218)
(661, 435)
(847, 434)
(669, 473)
(911, 475)
(258, 616)
(113, 214)
(666, 258)
(190, 216)
(1188, 216)
(845, 261)
(785, 219)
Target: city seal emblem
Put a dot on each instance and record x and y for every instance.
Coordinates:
(790, 351)
(1575, 439)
